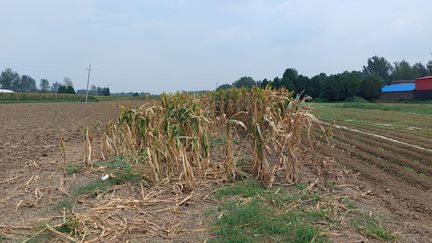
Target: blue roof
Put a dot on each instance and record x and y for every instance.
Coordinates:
(398, 87)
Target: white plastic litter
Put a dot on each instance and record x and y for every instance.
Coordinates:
(105, 177)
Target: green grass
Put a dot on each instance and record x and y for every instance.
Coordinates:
(244, 188)
(73, 169)
(254, 222)
(93, 188)
(372, 227)
(64, 203)
(120, 172)
(262, 214)
(419, 108)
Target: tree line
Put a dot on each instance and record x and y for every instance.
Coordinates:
(11, 80)
(366, 83)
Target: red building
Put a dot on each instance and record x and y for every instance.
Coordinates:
(423, 88)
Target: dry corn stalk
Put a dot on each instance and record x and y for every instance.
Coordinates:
(171, 138)
(88, 140)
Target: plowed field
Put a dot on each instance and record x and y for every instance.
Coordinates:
(399, 175)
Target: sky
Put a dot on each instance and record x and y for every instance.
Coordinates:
(172, 45)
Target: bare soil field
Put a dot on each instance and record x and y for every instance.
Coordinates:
(399, 177)
(387, 179)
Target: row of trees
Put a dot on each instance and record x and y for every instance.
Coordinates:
(95, 90)
(11, 80)
(366, 83)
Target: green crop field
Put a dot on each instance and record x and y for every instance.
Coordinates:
(41, 97)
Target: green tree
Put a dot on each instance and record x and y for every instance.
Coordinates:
(44, 85)
(276, 83)
(106, 91)
(419, 70)
(8, 78)
(403, 71)
(24, 84)
(55, 86)
(63, 89)
(289, 78)
(93, 89)
(223, 86)
(264, 83)
(245, 81)
(301, 84)
(429, 67)
(314, 88)
(351, 83)
(332, 89)
(379, 66)
(67, 82)
(370, 87)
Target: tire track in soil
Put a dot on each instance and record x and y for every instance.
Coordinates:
(373, 148)
(418, 155)
(399, 135)
(406, 197)
(406, 205)
(397, 171)
(415, 145)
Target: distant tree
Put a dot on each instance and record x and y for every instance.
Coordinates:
(106, 91)
(8, 78)
(264, 83)
(429, 67)
(379, 66)
(351, 82)
(314, 88)
(135, 94)
(67, 82)
(341, 86)
(289, 78)
(55, 86)
(419, 70)
(44, 85)
(332, 89)
(370, 87)
(245, 81)
(301, 83)
(93, 89)
(25, 84)
(63, 89)
(99, 91)
(224, 86)
(276, 83)
(403, 71)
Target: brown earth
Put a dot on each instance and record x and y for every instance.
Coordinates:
(397, 178)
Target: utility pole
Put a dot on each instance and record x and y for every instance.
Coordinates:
(88, 81)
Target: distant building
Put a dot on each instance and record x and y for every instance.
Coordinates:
(423, 89)
(6, 91)
(420, 89)
(398, 91)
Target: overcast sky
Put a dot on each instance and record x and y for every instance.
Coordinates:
(169, 45)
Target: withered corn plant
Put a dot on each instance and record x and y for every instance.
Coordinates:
(88, 140)
(171, 137)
